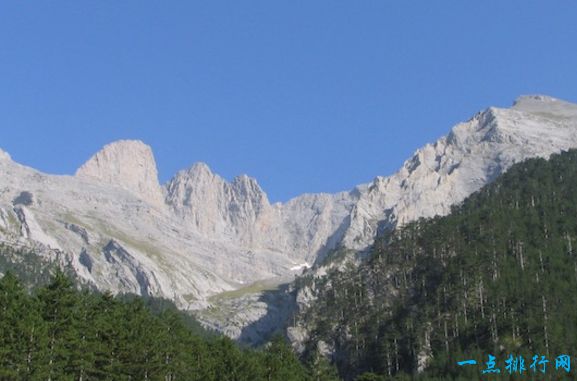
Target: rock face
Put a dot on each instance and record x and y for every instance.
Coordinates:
(200, 235)
(474, 153)
(128, 164)
(239, 212)
(215, 208)
(31, 229)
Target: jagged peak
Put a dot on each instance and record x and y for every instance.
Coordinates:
(248, 185)
(199, 169)
(245, 179)
(197, 174)
(128, 164)
(200, 166)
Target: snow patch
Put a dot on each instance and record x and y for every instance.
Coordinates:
(302, 266)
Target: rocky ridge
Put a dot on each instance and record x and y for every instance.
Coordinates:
(474, 153)
(200, 235)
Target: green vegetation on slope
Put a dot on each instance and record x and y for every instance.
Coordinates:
(497, 276)
(31, 269)
(59, 333)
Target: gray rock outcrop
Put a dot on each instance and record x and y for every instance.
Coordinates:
(200, 235)
(128, 164)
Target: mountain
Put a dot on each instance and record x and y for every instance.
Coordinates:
(239, 212)
(473, 154)
(199, 235)
(496, 276)
(126, 164)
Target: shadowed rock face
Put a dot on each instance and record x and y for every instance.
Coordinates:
(200, 235)
(133, 271)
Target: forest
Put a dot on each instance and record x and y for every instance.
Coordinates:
(56, 332)
(497, 277)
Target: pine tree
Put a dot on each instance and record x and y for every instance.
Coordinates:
(57, 303)
(13, 331)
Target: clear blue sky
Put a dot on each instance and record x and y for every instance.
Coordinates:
(306, 96)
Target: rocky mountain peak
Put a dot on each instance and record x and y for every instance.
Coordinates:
(474, 153)
(191, 186)
(534, 99)
(213, 206)
(248, 186)
(546, 107)
(128, 164)
(199, 170)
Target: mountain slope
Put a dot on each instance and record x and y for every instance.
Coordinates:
(474, 153)
(200, 235)
(496, 276)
